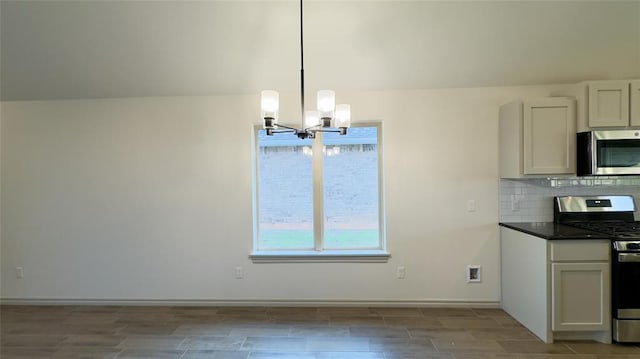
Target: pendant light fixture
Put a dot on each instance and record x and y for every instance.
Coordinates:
(329, 117)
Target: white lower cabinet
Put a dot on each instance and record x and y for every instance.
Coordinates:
(558, 289)
(580, 293)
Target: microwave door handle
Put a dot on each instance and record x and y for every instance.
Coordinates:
(629, 257)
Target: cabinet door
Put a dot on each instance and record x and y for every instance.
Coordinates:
(635, 103)
(581, 296)
(609, 104)
(549, 136)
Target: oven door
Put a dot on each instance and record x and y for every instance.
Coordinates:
(626, 288)
(616, 152)
(626, 297)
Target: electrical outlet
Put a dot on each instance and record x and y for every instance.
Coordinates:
(239, 273)
(401, 272)
(474, 273)
(19, 272)
(515, 203)
(471, 205)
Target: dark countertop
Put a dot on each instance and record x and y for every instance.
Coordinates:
(554, 231)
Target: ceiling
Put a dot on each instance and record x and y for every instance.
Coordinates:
(100, 49)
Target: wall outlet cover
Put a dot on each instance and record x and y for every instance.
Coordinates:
(19, 272)
(474, 273)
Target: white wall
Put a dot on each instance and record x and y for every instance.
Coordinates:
(150, 199)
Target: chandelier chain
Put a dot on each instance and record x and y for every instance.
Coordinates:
(301, 63)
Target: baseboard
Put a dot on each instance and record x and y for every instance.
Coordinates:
(257, 303)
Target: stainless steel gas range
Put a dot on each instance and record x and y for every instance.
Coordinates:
(613, 216)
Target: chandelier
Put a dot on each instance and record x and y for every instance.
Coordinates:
(329, 117)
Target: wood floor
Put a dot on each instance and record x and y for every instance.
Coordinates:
(282, 333)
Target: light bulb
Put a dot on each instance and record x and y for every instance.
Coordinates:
(270, 101)
(326, 103)
(311, 119)
(343, 116)
(270, 104)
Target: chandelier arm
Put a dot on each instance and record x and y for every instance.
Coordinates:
(341, 130)
(287, 127)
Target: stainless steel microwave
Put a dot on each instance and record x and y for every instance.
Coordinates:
(608, 153)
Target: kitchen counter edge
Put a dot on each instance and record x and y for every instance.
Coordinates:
(553, 231)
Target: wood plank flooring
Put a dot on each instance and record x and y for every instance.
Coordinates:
(279, 333)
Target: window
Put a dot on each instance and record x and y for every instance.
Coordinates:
(319, 199)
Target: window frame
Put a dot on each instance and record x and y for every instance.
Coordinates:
(318, 253)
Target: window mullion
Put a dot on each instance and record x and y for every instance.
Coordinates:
(318, 195)
(381, 199)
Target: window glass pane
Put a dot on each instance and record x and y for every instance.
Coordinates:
(285, 192)
(351, 189)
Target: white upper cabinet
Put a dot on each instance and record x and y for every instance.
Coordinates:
(602, 104)
(537, 137)
(609, 104)
(634, 94)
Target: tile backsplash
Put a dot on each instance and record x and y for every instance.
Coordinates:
(531, 200)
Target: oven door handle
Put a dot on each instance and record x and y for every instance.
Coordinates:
(628, 257)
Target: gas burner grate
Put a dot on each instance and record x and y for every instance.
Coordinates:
(617, 229)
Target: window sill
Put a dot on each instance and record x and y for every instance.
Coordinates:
(338, 256)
